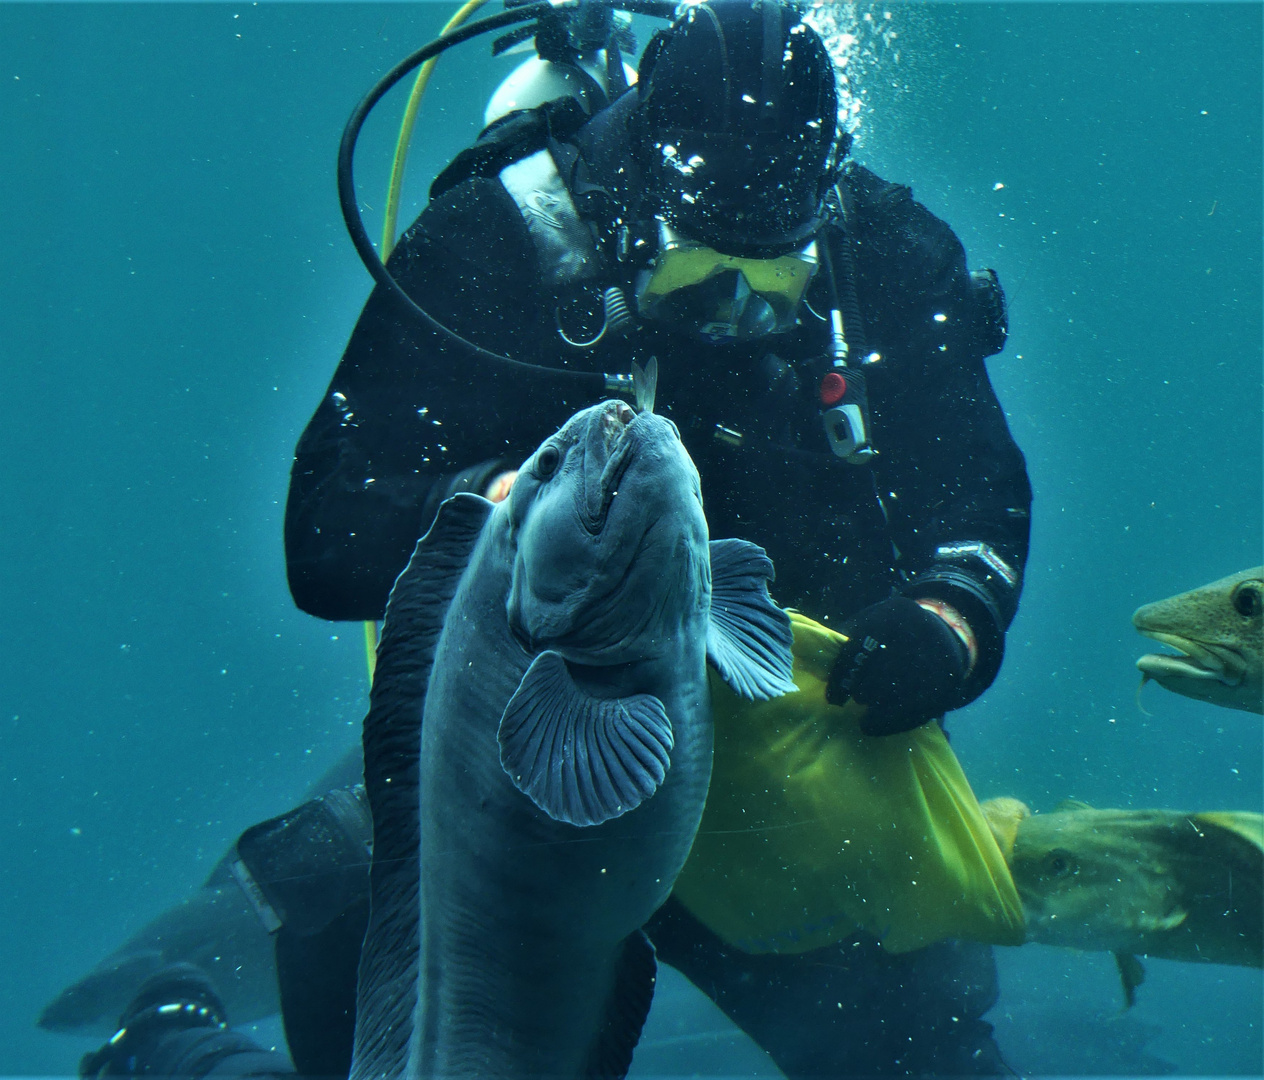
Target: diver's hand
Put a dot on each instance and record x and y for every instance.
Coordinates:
(178, 998)
(905, 662)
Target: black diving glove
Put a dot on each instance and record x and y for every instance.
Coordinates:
(905, 664)
(178, 998)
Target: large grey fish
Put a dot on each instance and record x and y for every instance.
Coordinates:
(553, 651)
(1219, 631)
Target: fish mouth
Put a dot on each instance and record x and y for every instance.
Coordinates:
(1194, 660)
(616, 438)
(1085, 930)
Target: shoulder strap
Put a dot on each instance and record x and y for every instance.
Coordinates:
(861, 187)
(514, 136)
(516, 149)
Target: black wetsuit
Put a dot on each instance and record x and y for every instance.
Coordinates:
(409, 420)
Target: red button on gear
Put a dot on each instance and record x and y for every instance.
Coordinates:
(833, 388)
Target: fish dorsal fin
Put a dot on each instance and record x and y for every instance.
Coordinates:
(645, 384)
(581, 759)
(1132, 974)
(636, 975)
(749, 638)
(1070, 806)
(1004, 816)
(392, 746)
(1245, 826)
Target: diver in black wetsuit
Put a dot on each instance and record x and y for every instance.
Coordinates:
(820, 344)
(930, 504)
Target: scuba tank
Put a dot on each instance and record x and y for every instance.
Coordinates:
(536, 80)
(578, 54)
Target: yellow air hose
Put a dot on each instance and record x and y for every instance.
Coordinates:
(392, 214)
(406, 129)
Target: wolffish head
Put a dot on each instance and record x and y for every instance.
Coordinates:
(1218, 631)
(611, 542)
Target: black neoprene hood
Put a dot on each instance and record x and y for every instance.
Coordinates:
(735, 126)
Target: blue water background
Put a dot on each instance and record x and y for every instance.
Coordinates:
(176, 287)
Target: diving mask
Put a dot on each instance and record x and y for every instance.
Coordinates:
(723, 297)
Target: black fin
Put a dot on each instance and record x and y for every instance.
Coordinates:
(749, 637)
(392, 746)
(1132, 974)
(636, 975)
(581, 759)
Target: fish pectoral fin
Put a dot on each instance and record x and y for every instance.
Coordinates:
(1132, 974)
(749, 637)
(636, 974)
(1160, 923)
(581, 759)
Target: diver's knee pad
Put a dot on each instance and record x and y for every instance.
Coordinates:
(303, 869)
(307, 874)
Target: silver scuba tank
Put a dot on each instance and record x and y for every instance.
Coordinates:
(535, 81)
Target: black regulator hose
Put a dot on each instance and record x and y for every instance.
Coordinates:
(662, 9)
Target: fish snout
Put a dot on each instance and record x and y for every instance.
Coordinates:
(613, 422)
(615, 418)
(618, 421)
(609, 453)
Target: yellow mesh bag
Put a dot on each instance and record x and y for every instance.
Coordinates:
(812, 829)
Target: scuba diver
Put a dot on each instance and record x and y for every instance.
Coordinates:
(820, 345)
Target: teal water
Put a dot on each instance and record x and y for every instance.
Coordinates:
(176, 287)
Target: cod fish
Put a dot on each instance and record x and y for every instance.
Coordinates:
(1219, 631)
(540, 731)
(1154, 882)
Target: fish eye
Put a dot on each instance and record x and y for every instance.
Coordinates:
(1246, 599)
(1059, 863)
(547, 461)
